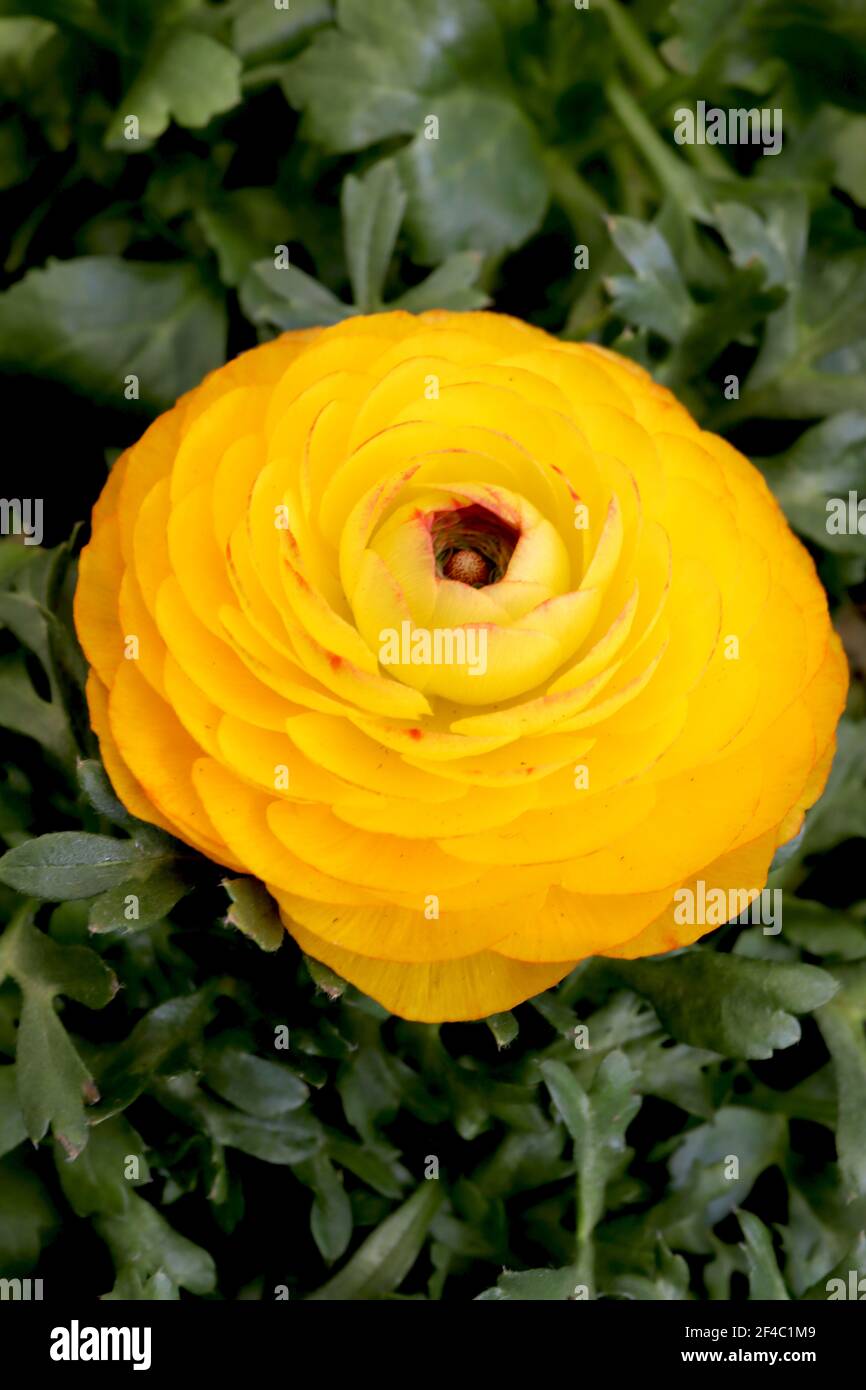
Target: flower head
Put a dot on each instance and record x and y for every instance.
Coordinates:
(468, 642)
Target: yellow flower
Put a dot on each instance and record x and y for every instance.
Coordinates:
(466, 641)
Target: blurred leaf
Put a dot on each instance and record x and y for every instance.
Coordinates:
(373, 76)
(243, 226)
(288, 298)
(187, 77)
(827, 462)
(656, 297)
(260, 31)
(450, 286)
(373, 208)
(91, 323)
(841, 812)
(480, 185)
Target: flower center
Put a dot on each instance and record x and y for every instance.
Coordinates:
(472, 545)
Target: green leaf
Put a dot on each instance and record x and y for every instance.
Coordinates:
(286, 1138)
(188, 77)
(102, 1177)
(371, 78)
(841, 812)
(243, 226)
(27, 1218)
(504, 1028)
(52, 1080)
(13, 1130)
(732, 1006)
(669, 1279)
(450, 286)
(325, 979)
(765, 1281)
(287, 298)
(373, 208)
(254, 1084)
(161, 1040)
(254, 912)
(841, 1024)
(533, 1286)
(331, 1212)
(69, 864)
(597, 1120)
(656, 297)
(139, 902)
(261, 31)
(827, 462)
(381, 1264)
(92, 322)
(141, 1237)
(718, 1163)
(481, 185)
(22, 711)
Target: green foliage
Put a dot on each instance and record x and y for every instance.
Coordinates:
(235, 1121)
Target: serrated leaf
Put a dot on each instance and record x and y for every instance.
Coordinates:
(53, 1082)
(140, 1236)
(597, 1120)
(101, 1178)
(187, 77)
(733, 1006)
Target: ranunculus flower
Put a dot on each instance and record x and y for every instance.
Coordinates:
(468, 642)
